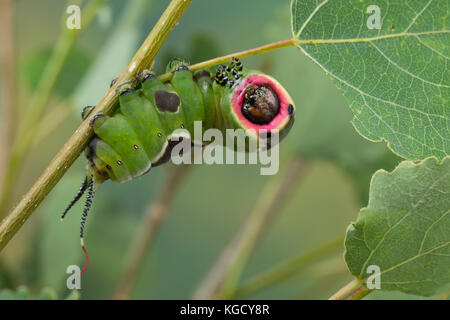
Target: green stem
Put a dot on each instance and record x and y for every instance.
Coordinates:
(77, 142)
(149, 227)
(39, 101)
(287, 269)
(223, 277)
(241, 54)
(7, 82)
(354, 290)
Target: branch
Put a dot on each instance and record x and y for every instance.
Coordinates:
(39, 100)
(8, 82)
(223, 276)
(152, 221)
(77, 142)
(288, 268)
(354, 290)
(241, 54)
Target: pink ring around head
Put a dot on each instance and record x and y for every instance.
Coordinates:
(257, 80)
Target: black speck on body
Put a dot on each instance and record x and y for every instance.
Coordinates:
(291, 110)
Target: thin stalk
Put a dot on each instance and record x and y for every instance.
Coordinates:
(149, 227)
(39, 101)
(7, 81)
(52, 120)
(222, 279)
(354, 290)
(77, 142)
(241, 54)
(288, 268)
(321, 276)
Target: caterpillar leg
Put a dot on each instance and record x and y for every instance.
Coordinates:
(113, 82)
(176, 65)
(86, 112)
(117, 132)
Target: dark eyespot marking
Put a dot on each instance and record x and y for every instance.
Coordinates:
(201, 74)
(166, 101)
(108, 167)
(291, 110)
(182, 126)
(136, 146)
(119, 162)
(159, 135)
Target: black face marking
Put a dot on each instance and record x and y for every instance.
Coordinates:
(261, 104)
(201, 74)
(393, 28)
(166, 101)
(291, 110)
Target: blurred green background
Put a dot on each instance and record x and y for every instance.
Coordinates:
(213, 201)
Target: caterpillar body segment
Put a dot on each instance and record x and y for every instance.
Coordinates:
(140, 133)
(152, 117)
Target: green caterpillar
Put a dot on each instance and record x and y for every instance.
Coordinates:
(142, 131)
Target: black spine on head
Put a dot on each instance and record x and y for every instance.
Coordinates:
(87, 206)
(80, 192)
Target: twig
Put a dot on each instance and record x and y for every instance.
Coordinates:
(77, 142)
(8, 81)
(52, 120)
(223, 276)
(152, 221)
(287, 269)
(39, 101)
(354, 290)
(240, 54)
(321, 275)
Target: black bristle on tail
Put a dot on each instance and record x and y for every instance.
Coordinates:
(87, 206)
(77, 197)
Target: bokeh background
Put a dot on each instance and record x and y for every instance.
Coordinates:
(213, 201)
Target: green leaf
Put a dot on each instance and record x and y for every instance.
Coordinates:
(405, 230)
(396, 79)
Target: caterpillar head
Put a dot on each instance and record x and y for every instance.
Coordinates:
(253, 100)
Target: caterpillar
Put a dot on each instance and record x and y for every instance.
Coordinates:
(142, 131)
